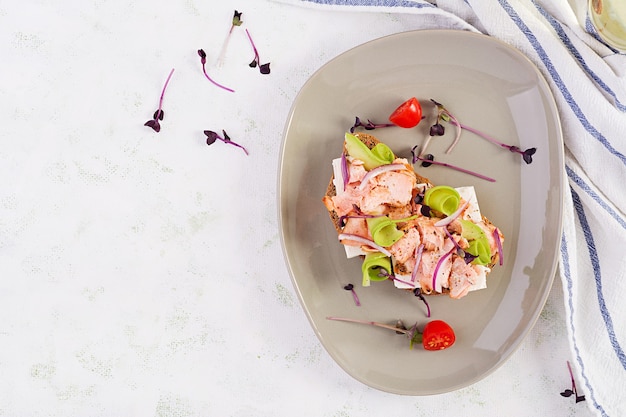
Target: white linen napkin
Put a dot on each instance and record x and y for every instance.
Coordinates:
(588, 80)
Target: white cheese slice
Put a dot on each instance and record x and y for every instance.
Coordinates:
(338, 177)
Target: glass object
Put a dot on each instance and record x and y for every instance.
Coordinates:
(609, 19)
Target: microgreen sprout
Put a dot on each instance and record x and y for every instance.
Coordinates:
(400, 326)
(527, 154)
(158, 115)
(418, 293)
(263, 68)
(429, 159)
(235, 22)
(459, 251)
(369, 125)
(444, 114)
(437, 129)
(413, 334)
(572, 391)
(359, 215)
(202, 55)
(211, 137)
(350, 288)
(383, 273)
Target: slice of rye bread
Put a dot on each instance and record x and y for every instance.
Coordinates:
(331, 191)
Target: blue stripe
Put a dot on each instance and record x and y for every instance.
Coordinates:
(576, 54)
(570, 305)
(595, 264)
(376, 3)
(587, 189)
(559, 82)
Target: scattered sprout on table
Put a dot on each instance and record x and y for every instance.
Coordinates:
(159, 114)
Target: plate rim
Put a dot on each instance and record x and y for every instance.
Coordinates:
(550, 277)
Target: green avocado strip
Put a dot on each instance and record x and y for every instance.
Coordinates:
(478, 242)
(381, 154)
(371, 266)
(384, 231)
(443, 199)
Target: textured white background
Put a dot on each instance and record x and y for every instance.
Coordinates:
(141, 273)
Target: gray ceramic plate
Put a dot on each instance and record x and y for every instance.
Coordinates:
(487, 85)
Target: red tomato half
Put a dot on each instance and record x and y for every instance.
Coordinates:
(438, 335)
(408, 114)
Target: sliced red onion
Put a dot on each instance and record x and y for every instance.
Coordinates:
(459, 250)
(446, 221)
(345, 173)
(379, 170)
(496, 236)
(439, 263)
(418, 258)
(365, 241)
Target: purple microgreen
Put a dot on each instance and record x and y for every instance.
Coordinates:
(211, 137)
(369, 125)
(371, 323)
(413, 334)
(392, 277)
(202, 55)
(263, 68)
(527, 154)
(459, 251)
(439, 264)
(345, 172)
(400, 326)
(419, 249)
(429, 160)
(572, 391)
(159, 114)
(418, 294)
(364, 241)
(235, 22)
(385, 274)
(350, 288)
(426, 160)
(343, 219)
(424, 146)
(468, 257)
(437, 130)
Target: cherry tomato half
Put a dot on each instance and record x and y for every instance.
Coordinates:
(438, 335)
(408, 114)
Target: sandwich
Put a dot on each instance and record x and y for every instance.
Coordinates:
(422, 236)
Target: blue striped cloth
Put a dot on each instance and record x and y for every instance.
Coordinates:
(588, 80)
